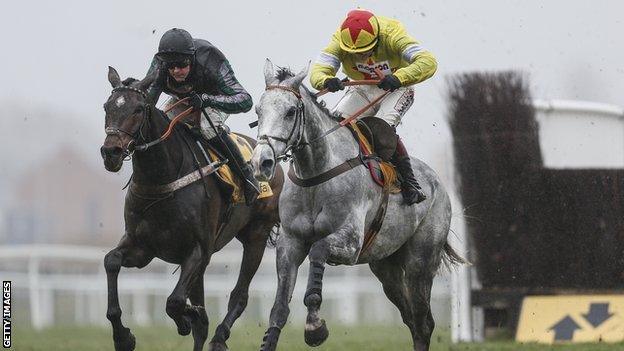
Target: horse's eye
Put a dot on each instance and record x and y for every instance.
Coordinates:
(291, 112)
(138, 110)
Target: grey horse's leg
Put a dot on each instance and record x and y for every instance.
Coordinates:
(391, 274)
(423, 255)
(126, 255)
(410, 293)
(419, 292)
(197, 313)
(290, 254)
(190, 269)
(315, 329)
(253, 237)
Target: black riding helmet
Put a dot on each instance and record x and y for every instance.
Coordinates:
(176, 45)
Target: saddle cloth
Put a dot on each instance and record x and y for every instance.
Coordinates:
(226, 175)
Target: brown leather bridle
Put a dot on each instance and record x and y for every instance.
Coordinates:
(132, 145)
(299, 125)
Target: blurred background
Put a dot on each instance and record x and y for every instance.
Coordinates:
(61, 211)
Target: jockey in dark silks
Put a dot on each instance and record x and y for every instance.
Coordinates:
(194, 68)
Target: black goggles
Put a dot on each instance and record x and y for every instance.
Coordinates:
(178, 64)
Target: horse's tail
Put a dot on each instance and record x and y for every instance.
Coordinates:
(451, 257)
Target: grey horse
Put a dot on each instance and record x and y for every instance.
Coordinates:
(327, 222)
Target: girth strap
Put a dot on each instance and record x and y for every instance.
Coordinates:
(370, 235)
(323, 177)
(177, 184)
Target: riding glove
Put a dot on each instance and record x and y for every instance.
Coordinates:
(334, 84)
(389, 83)
(197, 101)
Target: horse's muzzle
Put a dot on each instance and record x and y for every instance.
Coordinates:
(113, 157)
(263, 162)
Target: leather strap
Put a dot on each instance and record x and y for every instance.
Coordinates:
(282, 87)
(177, 184)
(323, 177)
(370, 235)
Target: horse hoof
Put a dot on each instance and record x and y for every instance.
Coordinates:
(217, 346)
(315, 337)
(128, 343)
(184, 327)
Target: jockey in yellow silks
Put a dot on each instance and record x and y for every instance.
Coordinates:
(363, 43)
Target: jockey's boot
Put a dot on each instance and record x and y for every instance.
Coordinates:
(411, 190)
(238, 165)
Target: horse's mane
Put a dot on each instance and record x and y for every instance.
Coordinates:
(129, 81)
(284, 73)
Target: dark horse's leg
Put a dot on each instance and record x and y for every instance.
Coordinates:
(290, 254)
(197, 312)
(126, 255)
(253, 237)
(315, 329)
(191, 269)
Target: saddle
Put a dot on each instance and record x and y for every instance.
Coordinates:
(378, 142)
(229, 184)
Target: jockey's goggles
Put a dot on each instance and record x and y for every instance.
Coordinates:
(178, 64)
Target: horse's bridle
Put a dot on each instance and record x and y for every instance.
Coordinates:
(296, 131)
(129, 149)
(138, 135)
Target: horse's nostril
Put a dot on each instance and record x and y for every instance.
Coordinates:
(266, 164)
(113, 151)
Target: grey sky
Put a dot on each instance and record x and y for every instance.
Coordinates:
(55, 54)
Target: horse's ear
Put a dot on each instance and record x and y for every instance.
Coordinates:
(269, 73)
(295, 81)
(147, 81)
(113, 77)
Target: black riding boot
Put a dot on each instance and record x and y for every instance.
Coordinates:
(238, 165)
(411, 190)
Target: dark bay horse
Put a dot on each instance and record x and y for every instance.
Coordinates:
(175, 217)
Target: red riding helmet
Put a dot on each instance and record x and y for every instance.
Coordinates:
(359, 32)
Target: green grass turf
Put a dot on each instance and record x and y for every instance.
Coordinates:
(249, 337)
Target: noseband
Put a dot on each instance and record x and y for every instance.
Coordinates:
(297, 130)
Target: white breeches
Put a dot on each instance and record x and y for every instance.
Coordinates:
(391, 109)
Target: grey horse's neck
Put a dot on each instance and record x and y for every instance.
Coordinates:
(327, 152)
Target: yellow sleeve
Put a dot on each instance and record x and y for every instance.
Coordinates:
(421, 63)
(326, 65)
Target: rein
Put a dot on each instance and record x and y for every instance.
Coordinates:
(351, 83)
(300, 119)
(173, 122)
(132, 146)
(299, 126)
